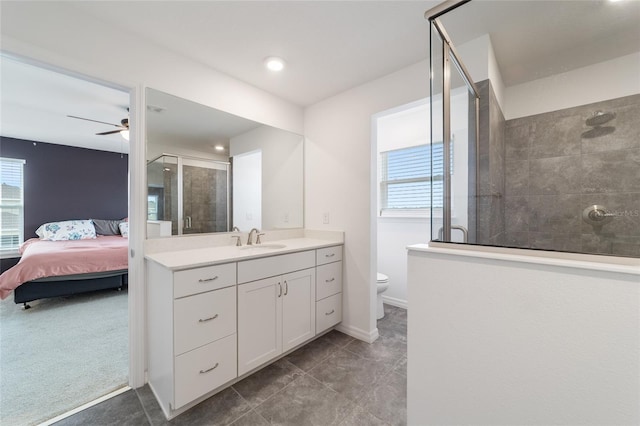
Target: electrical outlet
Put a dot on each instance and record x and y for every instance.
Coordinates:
(325, 218)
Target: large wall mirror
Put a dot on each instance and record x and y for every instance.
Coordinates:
(211, 171)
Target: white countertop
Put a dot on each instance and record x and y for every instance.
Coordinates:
(625, 265)
(193, 258)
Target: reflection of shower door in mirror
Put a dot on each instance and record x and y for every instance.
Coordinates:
(205, 203)
(193, 194)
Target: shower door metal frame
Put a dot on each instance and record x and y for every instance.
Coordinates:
(450, 55)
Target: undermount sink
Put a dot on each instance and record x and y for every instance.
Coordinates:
(263, 247)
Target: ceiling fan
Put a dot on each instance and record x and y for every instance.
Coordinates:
(123, 127)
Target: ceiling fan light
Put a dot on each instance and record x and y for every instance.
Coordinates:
(125, 134)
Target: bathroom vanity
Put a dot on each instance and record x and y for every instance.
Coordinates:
(217, 314)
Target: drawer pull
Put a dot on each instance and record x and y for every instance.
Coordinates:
(280, 290)
(209, 369)
(329, 255)
(330, 281)
(205, 280)
(208, 319)
(329, 313)
(286, 288)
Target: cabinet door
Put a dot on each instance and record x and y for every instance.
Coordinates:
(298, 308)
(259, 323)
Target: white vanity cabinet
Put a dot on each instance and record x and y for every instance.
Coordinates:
(277, 313)
(192, 331)
(328, 287)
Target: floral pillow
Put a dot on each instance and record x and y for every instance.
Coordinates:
(124, 229)
(67, 230)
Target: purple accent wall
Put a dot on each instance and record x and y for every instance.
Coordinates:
(63, 182)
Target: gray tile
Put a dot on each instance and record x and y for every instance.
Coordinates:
(557, 175)
(611, 171)
(556, 242)
(517, 140)
(387, 399)
(221, 409)
(150, 405)
(401, 367)
(312, 354)
(337, 338)
(516, 177)
(124, 409)
(517, 214)
(259, 386)
(555, 213)
(251, 419)
(556, 136)
(349, 374)
(395, 314)
(306, 402)
(360, 417)
(383, 349)
(517, 239)
(393, 331)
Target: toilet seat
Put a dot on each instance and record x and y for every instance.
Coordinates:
(382, 278)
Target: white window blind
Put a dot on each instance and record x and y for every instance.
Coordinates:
(406, 177)
(11, 203)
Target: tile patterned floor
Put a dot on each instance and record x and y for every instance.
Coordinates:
(334, 380)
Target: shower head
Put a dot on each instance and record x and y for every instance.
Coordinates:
(598, 131)
(599, 118)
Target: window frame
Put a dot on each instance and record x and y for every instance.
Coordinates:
(383, 185)
(11, 251)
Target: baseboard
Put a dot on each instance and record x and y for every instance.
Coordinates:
(358, 333)
(395, 302)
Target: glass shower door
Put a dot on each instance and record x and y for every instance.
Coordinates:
(454, 125)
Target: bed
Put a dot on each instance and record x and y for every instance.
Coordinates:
(60, 268)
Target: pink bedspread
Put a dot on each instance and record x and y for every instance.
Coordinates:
(42, 259)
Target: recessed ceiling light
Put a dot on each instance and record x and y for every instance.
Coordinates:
(274, 63)
(219, 148)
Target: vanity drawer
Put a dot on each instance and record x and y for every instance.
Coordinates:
(199, 280)
(328, 312)
(328, 255)
(328, 280)
(204, 369)
(203, 318)
(257, 269)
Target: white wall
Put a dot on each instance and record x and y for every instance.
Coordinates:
(61, 35)
(282, 174)
(340, 180)
(606, 80)
(501, 341)
(247, 190)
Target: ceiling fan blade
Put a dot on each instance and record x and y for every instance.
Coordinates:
(109, 132)
(95, 121)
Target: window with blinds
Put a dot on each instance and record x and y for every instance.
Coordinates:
(407, 178)
(11, 203)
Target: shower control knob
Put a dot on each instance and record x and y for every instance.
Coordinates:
(596, 215)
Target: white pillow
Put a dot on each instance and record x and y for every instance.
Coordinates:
(67, 230)
(124, 229)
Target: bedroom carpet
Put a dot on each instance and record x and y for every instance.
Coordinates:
(60, 354)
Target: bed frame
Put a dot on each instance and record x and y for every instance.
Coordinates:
(68, 285)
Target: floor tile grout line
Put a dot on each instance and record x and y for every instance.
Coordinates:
(279, 391)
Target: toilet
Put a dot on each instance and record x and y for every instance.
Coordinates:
(382, 286)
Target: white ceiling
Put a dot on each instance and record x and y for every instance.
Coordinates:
(329, 47)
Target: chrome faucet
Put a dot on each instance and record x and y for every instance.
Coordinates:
(249, 240)
(235, 229)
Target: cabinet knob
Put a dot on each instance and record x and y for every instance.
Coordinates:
(208, 319)
(209, 369)
(204, 280)
(329, 313)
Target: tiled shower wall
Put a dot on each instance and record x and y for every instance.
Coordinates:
(552, 173)
(491, 148)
